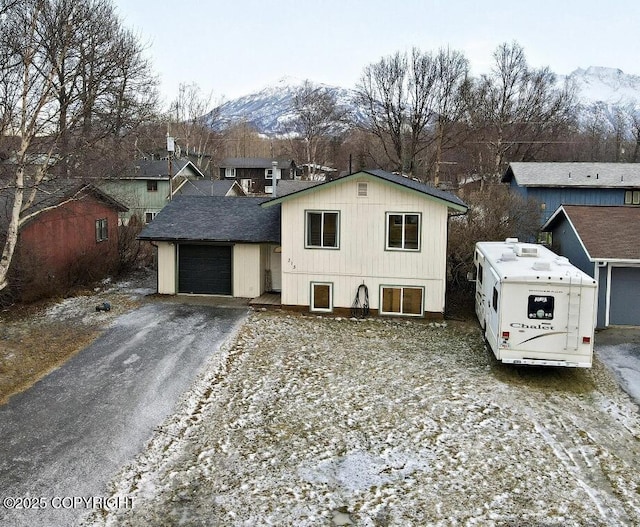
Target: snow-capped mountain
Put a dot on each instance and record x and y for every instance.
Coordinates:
(269, 110)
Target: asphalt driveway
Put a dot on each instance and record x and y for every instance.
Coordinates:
(62, 440)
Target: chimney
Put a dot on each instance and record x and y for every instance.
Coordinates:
(274, 178)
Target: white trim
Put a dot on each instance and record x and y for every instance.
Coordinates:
(314, 309)
(404, 215)
(402, 288)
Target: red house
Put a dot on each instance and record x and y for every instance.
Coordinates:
(72, 238)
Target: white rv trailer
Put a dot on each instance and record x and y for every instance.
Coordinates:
(534, 306)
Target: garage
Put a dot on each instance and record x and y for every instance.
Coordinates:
(624, 307)
(205, 269)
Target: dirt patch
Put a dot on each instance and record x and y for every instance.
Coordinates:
(35, 339)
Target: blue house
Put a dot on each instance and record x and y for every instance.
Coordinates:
(603, 241)
(555, 184)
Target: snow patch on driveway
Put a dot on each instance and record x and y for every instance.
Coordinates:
(318, 421)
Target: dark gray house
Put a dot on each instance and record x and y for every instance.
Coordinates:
(555, 184)
(255, 174)
(603, 241)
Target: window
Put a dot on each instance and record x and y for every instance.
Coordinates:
(148, 216)
(102, 230)
(403, 231)
(480, 273)
(268, 173)
(401, 301)
(230, 172)
(321, 297)
(540, 307)
(152, 186)
(494, 302)
(632, 197)
(322, 229)
(362, 189)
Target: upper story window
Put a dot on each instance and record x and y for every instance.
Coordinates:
(632, 197)
(152, 186)
(322, 229)
(102, 230)
(230, 172)
(403, 231)
(268, 173)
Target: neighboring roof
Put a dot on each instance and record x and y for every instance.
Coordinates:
(215, 219)
(159, 169)
(449, 199)
(253, 162)
(209, 188)
(289, 186)
(54, 193)
(606, 232)
(601, 175)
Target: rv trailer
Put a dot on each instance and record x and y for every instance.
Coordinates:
(534, 306)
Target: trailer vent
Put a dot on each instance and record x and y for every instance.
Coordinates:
(542, 266)
(530, 251)
(508, 256)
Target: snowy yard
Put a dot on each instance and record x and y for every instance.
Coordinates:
(311, 421)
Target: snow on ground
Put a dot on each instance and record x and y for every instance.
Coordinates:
(324, 421)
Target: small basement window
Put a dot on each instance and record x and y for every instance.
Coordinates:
(321, 297)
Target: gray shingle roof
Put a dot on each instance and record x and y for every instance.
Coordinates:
(448, 197)
(207, 187)
(215, 219)
(252, 162)
(289, 186)
(603, 175)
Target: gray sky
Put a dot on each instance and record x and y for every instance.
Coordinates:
(233, 47)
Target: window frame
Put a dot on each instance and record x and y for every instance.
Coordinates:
(146, 215)
(152, 185)
(230, 172)
(307, 244)
(102, 230)
(388, 216)
(312, 297)
(402, 313)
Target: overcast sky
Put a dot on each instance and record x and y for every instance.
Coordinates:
(233, 47)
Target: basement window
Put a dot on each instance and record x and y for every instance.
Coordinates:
(321, 297)
(632, 197)
(404, 301)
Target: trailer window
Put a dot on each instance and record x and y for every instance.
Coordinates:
(495, 300)
(480, 273)
(541, 307)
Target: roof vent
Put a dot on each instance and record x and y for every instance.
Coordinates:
(542, 265)
(522, 249)
(508, 256)
(511, 240)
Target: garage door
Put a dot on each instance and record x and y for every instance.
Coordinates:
(204, 269)
(625, 296)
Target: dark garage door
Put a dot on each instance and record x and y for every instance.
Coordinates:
(204, 269)
(625, 296)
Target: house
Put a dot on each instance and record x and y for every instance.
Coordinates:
(70, 235)
(555, 184)
(208, 187)
(147, 188)
(255, 174)
(603, 241)
(317, 245)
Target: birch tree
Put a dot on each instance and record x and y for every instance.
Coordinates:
(64, 87)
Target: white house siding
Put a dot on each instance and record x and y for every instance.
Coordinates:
(166, 268)
(247, 271)
(362, 256)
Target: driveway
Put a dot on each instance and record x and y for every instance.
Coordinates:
(619, 349)
(67, 436)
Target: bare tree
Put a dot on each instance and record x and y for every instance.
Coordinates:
(318, 120)
(61, 96)
(409, 99)
(191, 112)
(518, 110)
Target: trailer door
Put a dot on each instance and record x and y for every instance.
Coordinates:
(480, 296)
(493, 311)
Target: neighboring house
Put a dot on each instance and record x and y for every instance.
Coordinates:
(149, 186)
(555, 184)
(317, 245)
(314, 172)
(255, 174)
(210, 187)
(71, 235)
(603, 241)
